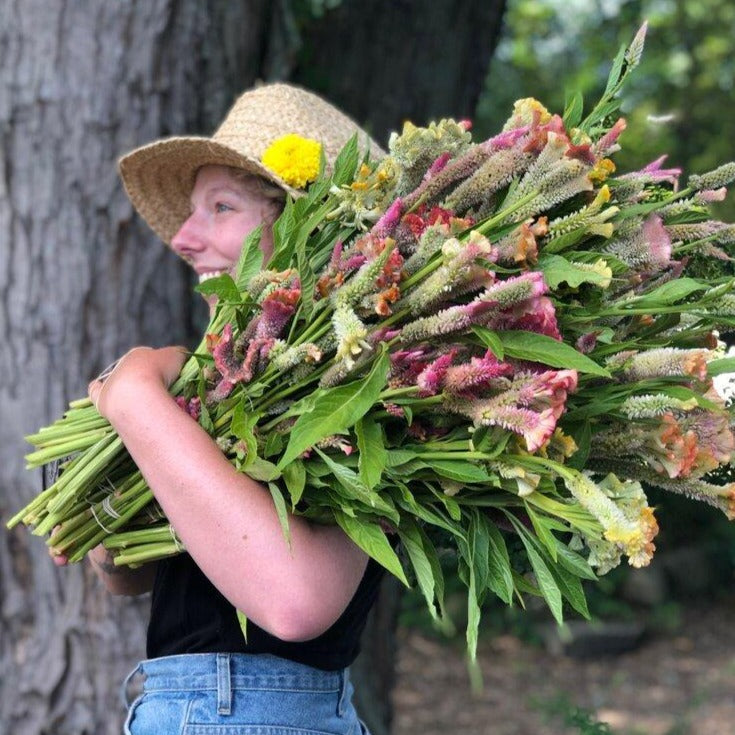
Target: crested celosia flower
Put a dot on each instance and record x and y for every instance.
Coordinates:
(520, 247)
(530, 406)
(294, 159)
(631, 530)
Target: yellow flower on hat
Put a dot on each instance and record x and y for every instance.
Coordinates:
(294, 159)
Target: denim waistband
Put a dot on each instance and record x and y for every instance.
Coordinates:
(224, 672)
(250, 671)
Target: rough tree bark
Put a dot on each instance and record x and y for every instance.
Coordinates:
(82, 279)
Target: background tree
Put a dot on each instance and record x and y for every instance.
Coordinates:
(82, 279)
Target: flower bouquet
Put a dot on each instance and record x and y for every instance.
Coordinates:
(465, 346)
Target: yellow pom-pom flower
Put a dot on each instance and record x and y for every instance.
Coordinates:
(294, 159)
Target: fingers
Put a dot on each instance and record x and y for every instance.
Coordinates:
(140, 363)
(60, 560)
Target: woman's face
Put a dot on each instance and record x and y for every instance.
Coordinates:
(224, 209)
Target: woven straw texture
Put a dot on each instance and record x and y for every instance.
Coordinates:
(159, 177)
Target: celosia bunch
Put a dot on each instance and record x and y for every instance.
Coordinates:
(458, 344)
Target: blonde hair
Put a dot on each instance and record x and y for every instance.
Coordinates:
(274, 194)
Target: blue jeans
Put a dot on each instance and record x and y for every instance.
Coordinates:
(240, 694)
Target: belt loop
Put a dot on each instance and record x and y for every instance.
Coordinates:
(224, 686)
(344, 692)
(124, 687)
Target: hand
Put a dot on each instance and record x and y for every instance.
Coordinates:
(139, 364)
(61, 560)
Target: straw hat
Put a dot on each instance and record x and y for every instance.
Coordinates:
(159, 177)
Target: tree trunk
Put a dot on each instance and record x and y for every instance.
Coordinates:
(81, 281)
(387, 61)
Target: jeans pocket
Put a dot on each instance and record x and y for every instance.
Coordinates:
(131, 714)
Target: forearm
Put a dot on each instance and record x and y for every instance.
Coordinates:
(121, 580)
(229, 525)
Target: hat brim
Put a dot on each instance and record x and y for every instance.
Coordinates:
(159, 178)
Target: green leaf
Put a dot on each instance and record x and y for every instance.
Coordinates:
(373, 541)
(413, 544)
(460, 470)
(243, 624)
(490, 340)
(280, 504)
(669, 293)
(345, 165)
(372, 452)
(571, 589)
(479, 537)
(540, 348)
(262, 470)
(250, 262)
(616, 71)
(544, 578)
(223, 287)
(583, 439)
(294, 475)
(574, 562)
(356, 489)
(721, 366)
(573, 108)
(542, 531)
(242, 427)
(558, 270)
(500, 572)
(335, 410)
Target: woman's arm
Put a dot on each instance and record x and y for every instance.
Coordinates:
(226, 520)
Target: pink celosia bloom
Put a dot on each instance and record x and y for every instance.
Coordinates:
(385, 226)
(274, 318)
(659, 241)
(432, 376)
(654, 172)
(256, 357)
(478, 372)
(229, 367)
(506, 139)
(712, 195)
(587, 342)
(608, 142)
(438, 165)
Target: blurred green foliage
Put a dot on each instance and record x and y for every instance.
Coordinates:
(679, 101)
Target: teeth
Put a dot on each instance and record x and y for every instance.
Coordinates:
(210, 274)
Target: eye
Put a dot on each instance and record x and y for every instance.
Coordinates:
(220, 207)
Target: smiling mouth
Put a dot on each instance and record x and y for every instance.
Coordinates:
(210, 274)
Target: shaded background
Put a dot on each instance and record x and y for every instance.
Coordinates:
(82, 279)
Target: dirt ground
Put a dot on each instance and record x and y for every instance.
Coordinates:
(676, 682)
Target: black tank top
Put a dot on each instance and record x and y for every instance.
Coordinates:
(189, 615)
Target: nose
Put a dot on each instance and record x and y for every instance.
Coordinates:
(188, 240)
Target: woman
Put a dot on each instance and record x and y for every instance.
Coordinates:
(305, 604)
